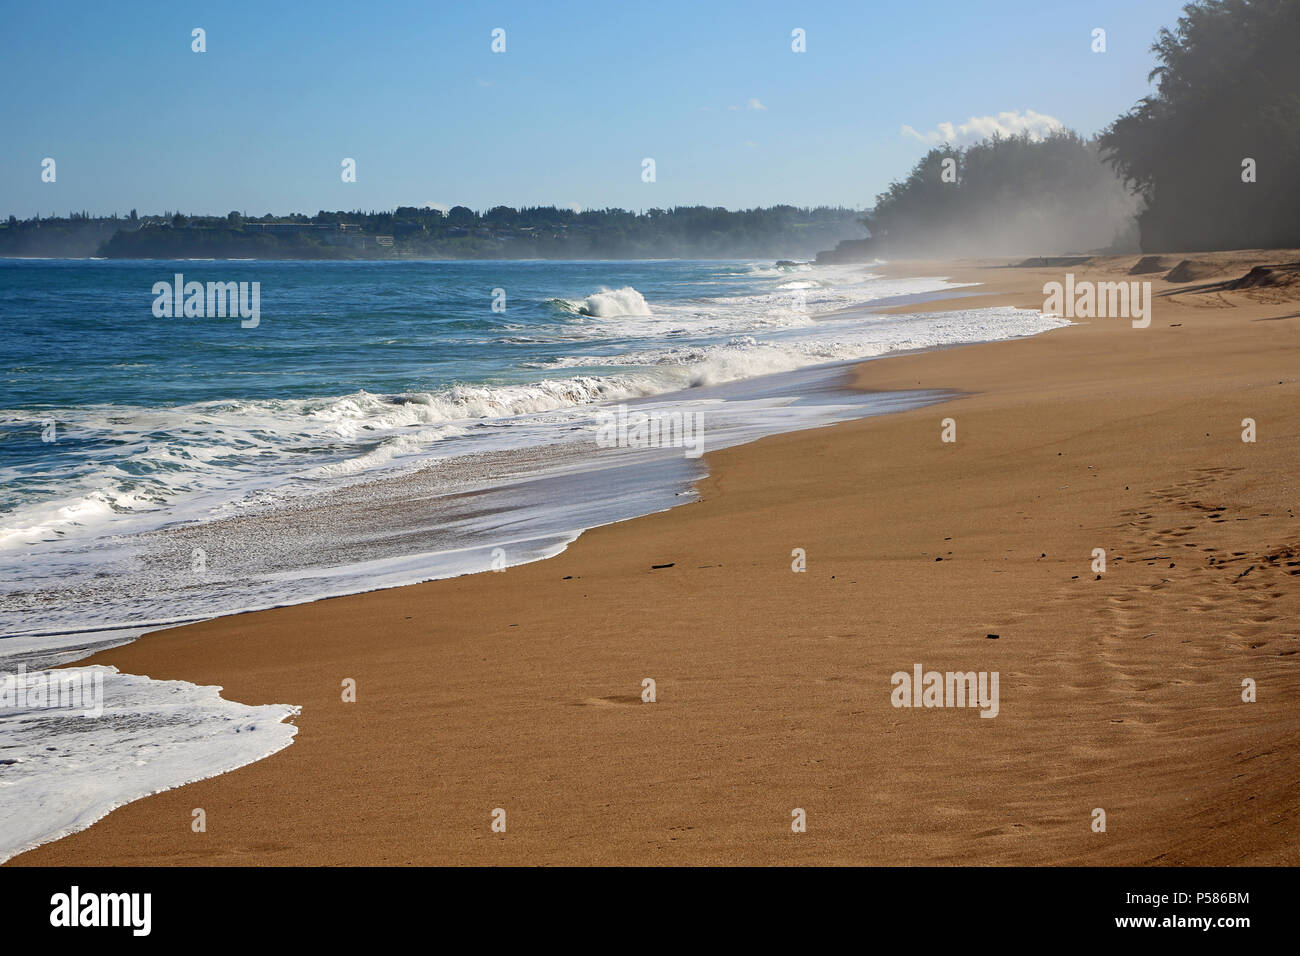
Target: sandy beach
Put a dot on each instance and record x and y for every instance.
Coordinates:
(522, 690)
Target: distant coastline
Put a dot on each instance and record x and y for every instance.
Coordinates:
(408, 232)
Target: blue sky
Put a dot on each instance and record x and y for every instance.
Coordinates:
(413, 92)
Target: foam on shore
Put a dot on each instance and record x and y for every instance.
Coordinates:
(62, 768)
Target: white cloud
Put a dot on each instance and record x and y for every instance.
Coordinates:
(1009, 123)
(751, 104)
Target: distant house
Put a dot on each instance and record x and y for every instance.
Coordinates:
(384, 240)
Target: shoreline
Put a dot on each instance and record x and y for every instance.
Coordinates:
(476, 478)
(830, 382)
(510, 691)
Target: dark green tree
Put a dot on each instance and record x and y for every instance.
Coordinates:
(461, 216)
(1227, 92)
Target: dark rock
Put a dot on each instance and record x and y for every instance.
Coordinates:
(1147, 265)
(847, 251)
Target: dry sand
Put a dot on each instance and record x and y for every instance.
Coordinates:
(521, 690)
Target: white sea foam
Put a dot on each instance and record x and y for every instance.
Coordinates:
(609, 303)
(799, 301)
(209, 452)
(61, 771)
(746, 356)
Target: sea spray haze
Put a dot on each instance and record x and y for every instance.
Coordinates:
(1034, 193)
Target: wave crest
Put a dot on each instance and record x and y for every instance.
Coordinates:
(609, 303)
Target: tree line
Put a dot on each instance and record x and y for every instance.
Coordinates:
(1209, 160)
(1214, 152)
(459, 232)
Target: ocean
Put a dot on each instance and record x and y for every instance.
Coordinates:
(377, 424)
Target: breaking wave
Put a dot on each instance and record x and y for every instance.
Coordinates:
(608, 304)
